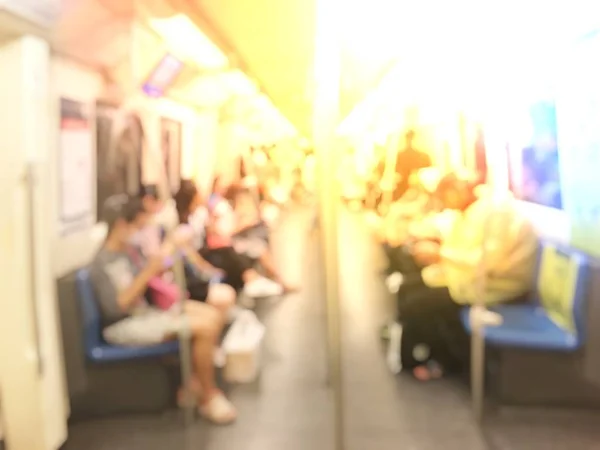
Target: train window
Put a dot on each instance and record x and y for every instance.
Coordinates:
(533, 163)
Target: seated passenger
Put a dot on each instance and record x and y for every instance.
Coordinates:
(489, 232)
(415, 203)
(129, 320)
(199, 272)
(246, 232)
(238, 270)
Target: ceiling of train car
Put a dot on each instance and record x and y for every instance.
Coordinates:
(274, 38)
(97, 33)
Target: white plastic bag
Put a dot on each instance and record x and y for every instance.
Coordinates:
(242, 348)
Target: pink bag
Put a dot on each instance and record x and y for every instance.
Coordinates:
(164, 295)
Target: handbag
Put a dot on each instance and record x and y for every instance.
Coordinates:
(163, 294)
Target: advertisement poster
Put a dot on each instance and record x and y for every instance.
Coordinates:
(76, 168)
(119, 147)
(578, 113)
(533, 157)
(170, 132)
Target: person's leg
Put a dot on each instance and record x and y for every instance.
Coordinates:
(405, 273)
(225, 258)
(268, 263)
(222, 297)
(437, 317)
(206, 324)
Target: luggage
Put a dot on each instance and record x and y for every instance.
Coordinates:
(242, 347)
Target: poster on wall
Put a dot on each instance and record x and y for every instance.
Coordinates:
(578, 112)
(119, 147)
(533, 157)
(170, 132)
(76, 162)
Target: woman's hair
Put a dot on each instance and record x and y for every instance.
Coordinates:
(184, 198)
(121, 207)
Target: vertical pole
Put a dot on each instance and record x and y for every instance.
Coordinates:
(185, 349)
(325, 121)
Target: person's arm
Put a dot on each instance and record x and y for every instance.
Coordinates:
(182, 239)
(198, 261)
(128, 296)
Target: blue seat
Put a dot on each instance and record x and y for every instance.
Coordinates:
(554, 319)
(96, 349)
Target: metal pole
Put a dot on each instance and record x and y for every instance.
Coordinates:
(478, 324)
(185, 349)
(325, 121)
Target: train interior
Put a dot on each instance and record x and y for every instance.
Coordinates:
(305, 106)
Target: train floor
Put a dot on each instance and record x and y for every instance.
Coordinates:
(291, 405)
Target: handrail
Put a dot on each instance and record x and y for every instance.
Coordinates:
(31, 183)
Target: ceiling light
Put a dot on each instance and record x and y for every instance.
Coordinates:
(238, 83)
(186, 41)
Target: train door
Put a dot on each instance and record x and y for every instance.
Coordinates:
(34, 407)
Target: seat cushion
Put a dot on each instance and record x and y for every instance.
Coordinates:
(526, 326)
(109, 353)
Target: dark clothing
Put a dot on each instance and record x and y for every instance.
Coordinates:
(401, 260)
(196, 283)
(431, 318)
(233, 264)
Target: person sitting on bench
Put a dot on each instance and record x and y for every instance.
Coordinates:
(198, 271)
(488, 231)
(129, 320)
(236, 217)
(239, 271)
(417, 202)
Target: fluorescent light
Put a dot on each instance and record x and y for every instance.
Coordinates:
(185, 40)
(238, 83)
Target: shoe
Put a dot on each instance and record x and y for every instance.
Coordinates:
(218, 410)
(262, 287)
(394, 282)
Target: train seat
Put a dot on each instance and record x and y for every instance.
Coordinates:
(554, 320)
(96, 349)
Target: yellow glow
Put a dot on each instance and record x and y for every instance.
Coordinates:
(238, 83)
(187, 42)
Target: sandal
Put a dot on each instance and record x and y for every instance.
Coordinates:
(428, 372)
(218, 410)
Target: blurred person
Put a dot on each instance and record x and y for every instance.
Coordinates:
(430, 316)
(408, 161)
(212, 228)
(128, 319)
(200, 274)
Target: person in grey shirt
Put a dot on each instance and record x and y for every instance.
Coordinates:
(129, 320)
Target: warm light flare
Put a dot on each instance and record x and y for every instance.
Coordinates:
(186, 41)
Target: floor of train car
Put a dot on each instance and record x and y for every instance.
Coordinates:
(291, 406)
